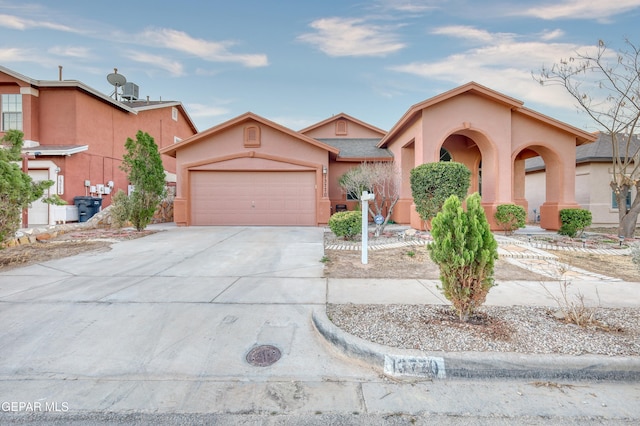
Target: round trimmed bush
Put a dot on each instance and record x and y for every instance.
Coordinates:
(346, 224)
(510, 217)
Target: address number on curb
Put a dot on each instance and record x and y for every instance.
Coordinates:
(429, 366)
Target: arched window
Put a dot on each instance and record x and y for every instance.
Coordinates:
(444, 155)
(252, 136)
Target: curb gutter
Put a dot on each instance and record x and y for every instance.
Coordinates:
(481, 365)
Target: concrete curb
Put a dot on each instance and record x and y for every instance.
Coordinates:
(480, 365)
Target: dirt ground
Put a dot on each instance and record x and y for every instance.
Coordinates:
(612, 266)
(405, 262)
(64, 246)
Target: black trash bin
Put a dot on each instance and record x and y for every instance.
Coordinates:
(87, 207)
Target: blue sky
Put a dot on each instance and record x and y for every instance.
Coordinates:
(298, 62)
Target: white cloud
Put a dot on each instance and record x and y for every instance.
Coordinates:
(411, 6)
(351, 37)
(204, 49)
(201, 110)
(16, 23)
(504, 64)
(15, 55)
(173, 67)
(580, 9)
(471, 33)
(71, 51)
(551, 35)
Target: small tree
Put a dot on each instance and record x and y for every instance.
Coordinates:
(17, 189)
(143, 164)
(433, 183)
(510, 217)
(606, 85)
(380, 178)
(465, 250)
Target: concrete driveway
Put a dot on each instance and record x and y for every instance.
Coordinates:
(165, 322)
(161, 326)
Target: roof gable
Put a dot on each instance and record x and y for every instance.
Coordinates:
(342, 116)
(246, 117)
(480, 90)
(141, 106)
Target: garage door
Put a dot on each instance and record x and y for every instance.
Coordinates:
(253, 198)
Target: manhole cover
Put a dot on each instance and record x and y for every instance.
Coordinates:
(263, 356)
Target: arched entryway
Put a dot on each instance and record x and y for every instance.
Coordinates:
(539, 188)
(476, 151)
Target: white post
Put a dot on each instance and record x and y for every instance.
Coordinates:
(366, 197)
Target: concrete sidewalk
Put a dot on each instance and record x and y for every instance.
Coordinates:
(163, 324)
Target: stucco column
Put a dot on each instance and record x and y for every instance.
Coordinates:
(422, 155)
(560, 189)
(519, 184)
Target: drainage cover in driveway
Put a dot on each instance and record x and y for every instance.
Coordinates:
(263, 356)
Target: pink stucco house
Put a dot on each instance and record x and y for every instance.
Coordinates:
(75, 135)
(252, 171)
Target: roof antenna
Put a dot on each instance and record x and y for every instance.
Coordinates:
(116, 80)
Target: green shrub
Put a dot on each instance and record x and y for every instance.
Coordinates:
(346, 224)
(574, 221)
(510, 217)
(54, 200)
(465, 250)
(433, 183)
(120, 209)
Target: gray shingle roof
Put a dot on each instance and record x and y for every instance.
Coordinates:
(358, 148)
(599, 151)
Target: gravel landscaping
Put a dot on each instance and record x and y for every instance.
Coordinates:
(518, 329)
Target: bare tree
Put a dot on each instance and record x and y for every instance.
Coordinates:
(381, 178)
(606, 86)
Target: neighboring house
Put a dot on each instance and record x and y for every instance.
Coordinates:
(74, 135)
(593, 174)
(252, 171)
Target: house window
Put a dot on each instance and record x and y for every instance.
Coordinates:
(352, 196)
(11, 112)
(174, 113)
(341, 127)
(355, 196)
(614, 201)
(252, 136)
(176, 139)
